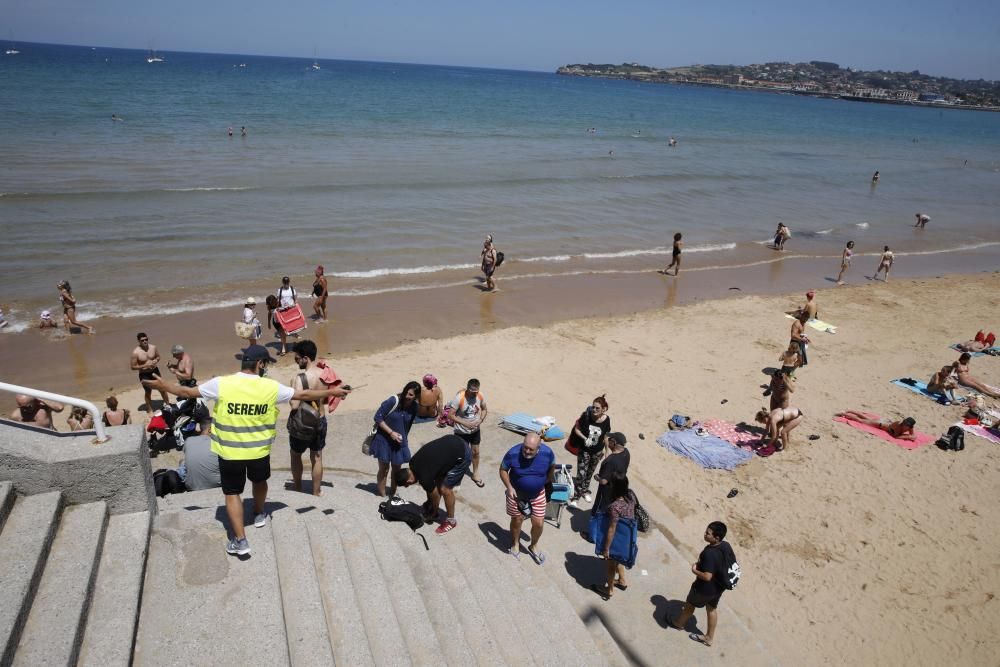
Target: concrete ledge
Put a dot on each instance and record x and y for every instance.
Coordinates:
(116, 472)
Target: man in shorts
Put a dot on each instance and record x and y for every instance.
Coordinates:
(439, 467)
(145, 358)
(305, 357)
(525, 470)
(710, 572)
(182, 366)
(468, 411)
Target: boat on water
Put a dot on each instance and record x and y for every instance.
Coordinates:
(153, 57)
(315, 64)
(12, 51)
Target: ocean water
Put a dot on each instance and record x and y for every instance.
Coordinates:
(390, 175)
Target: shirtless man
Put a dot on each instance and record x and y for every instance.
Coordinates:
(810, 307)
(966, 380)
(145, 358)
(305, 359)
(798, 336)
(182, 366)
(780, 422)
(901, 430)
(944, 383)
(35, 411)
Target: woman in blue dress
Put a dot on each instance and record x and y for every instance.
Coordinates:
(392, 427)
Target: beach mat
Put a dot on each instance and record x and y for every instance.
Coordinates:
(523, 423)
(980, 431)
(708, 451)
(819, 325)
(919, 387)
(730, 432)
(988, 352)
(921, 438)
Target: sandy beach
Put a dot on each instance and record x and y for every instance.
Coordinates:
(854, 550)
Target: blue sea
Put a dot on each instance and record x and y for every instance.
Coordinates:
(390, 175)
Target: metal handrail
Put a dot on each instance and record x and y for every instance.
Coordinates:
(102, 435)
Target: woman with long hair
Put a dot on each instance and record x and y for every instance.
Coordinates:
(390, 445)
(588, 436)
(621, 506)
(69, 308)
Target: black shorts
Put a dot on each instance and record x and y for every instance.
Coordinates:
(148, 375)
(473, 438)
(317, 444)
(700, 600)
(188, 383)
(234, 474)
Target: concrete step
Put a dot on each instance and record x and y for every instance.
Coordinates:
(344, 620)
(24, 546)
(114, 608)
(305, 617)
(52, 633)
(453, 608)
(382, 627)
(7, 497)
(200, 604)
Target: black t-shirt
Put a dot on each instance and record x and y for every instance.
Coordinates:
(588, 427)
(433, 461)
(614, 464)
(712, 559)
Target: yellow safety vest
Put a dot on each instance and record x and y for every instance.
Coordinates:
(246, 416)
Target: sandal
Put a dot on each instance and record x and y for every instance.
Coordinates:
(538, 556)
(701, 639)
(478, 482)
(620, 586)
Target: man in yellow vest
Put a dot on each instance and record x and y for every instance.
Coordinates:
(243, 429)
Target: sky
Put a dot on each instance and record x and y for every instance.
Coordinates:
(960, 38)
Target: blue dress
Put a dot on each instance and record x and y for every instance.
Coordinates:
(399, 420)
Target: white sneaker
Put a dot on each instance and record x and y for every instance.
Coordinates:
(588, 498)
(260, 520)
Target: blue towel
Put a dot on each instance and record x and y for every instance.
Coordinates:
(921, 388)
(988, 352)
(708, 451)
(522, 422)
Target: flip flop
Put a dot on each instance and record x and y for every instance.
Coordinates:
(538, 556)
(701, 639)
(478, 482)
(620, 587)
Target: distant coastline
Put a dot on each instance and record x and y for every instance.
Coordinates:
(814, 79)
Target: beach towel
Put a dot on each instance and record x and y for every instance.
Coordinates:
(921, 438)
(980, 431)
(523, 423)
(918, 387)
(708, 451)
(730, 432)
(328, 376)
(819, 325)
(990, 351)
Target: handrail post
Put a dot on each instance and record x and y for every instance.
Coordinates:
(102, 435)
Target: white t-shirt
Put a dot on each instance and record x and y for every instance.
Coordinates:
(286, 296)
(466, 409)
(210, 389)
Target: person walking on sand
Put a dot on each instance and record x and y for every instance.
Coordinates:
(308, 377)
(615, 463)
(676, 253)
(845, 261)
(589, 436)
(468, 412)
(145, 358)
(711, 572)
(884, 264)
(922, 220)
(182, 366)
(244, 425)
(321, 291)
(525, 470)
(69, 308)
(489, 262)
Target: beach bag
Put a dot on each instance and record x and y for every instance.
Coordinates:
(304, 421)
(245, 329)
(500, 258)
(167, 482)
(953, 440)
(395, 509)
(624, 543)
(366, 444)
(641, 515)
(572, 445)
(731, 576)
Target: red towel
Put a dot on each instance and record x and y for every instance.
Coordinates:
(921, 438)
(330, 379)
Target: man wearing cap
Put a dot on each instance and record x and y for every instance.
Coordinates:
(614, 464)
(244, 425)
(46, 321)
(145, 358)
(524, 470)
(182, 366)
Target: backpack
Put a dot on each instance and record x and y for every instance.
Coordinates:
(167, 481)
(953, 440)
(500, 257)
(304, 421)
(731, 576)
(409, 513)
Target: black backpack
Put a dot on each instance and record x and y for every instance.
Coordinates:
(304, 421)
(409, 513)
(731, 576)
(500, 258)
(167, 481)
(953, 440)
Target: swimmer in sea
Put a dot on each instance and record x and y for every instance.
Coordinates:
(611, 153)
(672, 142)
(875, 177)
(115, 117)
(884, 264)
(243, 131)
(676, 253)
(230, 131)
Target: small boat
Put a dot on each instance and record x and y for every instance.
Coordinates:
(12, 51)
(315, 64)
(153, 57)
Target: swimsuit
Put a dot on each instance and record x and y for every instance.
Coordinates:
(677, 250)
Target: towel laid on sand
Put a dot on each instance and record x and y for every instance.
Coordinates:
(921, 438)
(730, 432)
(708, 451)
(522, 422)
(919, 387)
(988, 352)
(981, 431)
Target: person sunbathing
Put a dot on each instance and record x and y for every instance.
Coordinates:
(780, 423)
(966, 380)
(943, 383)
(901, 430)
(978, 344)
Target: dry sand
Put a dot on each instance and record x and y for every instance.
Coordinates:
(854, 551)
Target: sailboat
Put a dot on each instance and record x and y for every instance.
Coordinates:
(315, 64)
(12, 49)
(153, 57)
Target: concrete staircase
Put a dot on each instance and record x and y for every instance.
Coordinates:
(70, 580)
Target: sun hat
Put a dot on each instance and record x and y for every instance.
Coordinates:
(250, 300)
(46, 315)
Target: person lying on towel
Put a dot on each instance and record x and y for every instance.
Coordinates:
(901, 430)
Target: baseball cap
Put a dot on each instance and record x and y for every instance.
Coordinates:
(258, 353)
(617, 437)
